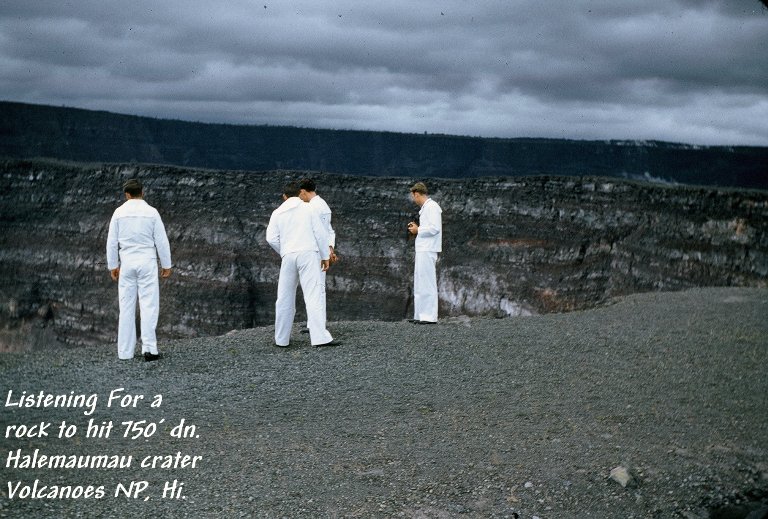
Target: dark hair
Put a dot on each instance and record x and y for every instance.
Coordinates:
(419, 187)
(133, 187)
(307, 184)
(291, 189)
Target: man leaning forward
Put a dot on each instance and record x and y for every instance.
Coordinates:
(297, 234)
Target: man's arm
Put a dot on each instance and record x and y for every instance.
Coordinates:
(326, 219)
(431, 221)
(321, 236)
(324, 212)
(273, 235)
(113, 256)
(161, 244)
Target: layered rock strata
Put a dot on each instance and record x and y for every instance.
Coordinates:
(511, 247)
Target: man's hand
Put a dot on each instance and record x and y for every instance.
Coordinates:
(165, 273)
(115, 273)
(334, 258)
(413, 228)
(324, 264)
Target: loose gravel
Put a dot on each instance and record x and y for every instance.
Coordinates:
(520, 417)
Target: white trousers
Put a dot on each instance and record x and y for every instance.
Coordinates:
(425, 287)
(301, 267)
(138, 280)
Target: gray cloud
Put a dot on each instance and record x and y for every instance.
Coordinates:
(682, 70)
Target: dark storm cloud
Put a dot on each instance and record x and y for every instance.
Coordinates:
(685, 70)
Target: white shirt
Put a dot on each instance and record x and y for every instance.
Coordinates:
(296, 227)
(136, 234)
(430, 236)
(319, 205)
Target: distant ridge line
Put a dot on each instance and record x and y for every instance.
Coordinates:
(77, 134)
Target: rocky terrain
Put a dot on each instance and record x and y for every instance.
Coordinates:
(512, 246)
(471, 418)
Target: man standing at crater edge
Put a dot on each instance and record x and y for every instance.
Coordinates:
(429, 243)
(308, 193)
(297, 234)
(136, 239)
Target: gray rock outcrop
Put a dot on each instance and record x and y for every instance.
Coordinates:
(512, 246)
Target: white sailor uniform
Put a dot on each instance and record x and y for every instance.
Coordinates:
(297, 234)
(136, 239)
(321, 206)
(324, 212)
(429, 242)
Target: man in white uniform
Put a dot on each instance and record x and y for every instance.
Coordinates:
(297, 234)
(136, 239)
(307, 192)
(429, 243)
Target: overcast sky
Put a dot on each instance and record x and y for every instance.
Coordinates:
(691, 71)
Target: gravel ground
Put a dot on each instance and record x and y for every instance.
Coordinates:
(520, 417)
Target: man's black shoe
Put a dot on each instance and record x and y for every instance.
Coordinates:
(426, 322)
(281, 346)
(149, 357)
(332, 343)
